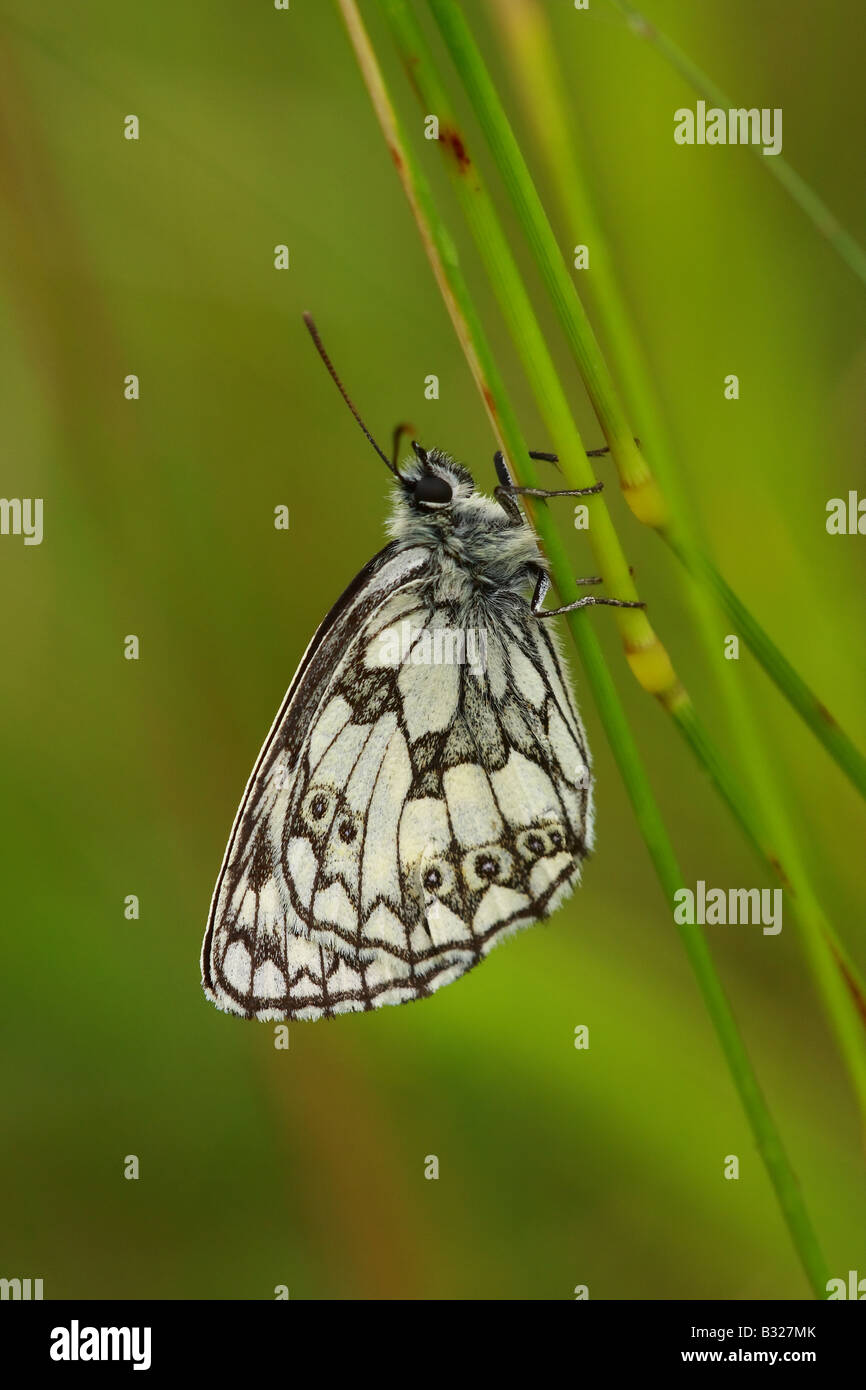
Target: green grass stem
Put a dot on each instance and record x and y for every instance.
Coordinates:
(441, 251)
(841, 989)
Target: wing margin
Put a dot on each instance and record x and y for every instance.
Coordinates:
(388, 571)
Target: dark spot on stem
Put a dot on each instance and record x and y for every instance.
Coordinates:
(859, 1001)
(454, 142)
(825, 714)
(776, 866)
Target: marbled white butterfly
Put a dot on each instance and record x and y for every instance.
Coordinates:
(425, 788)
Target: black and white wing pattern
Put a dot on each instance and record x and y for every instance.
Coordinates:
(424, 792)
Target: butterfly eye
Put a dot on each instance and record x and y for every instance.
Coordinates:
(431, 488)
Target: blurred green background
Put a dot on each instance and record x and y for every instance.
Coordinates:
(259, 1167)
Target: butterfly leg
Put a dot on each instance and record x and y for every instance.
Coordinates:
(554, 492)
(554, 458)
(543, 584)
(506, 492)
(590, 453)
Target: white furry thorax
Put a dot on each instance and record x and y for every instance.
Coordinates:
(477, 546)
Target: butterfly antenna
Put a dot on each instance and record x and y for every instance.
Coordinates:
(320, 348)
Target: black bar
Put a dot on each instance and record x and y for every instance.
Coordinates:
(255, 1338)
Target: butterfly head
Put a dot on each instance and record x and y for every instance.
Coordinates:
(437, 505)
(433, 484)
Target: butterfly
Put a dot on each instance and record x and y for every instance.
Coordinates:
(425, 789)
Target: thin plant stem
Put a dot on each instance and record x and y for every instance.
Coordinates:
(648, 659)
(527, 34)
(838, 990)
(441, 252)
(811, 710)
(637, 481)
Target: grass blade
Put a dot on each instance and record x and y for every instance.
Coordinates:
(638, 484)
(841, 990)
(440, 250)
(525, 27)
